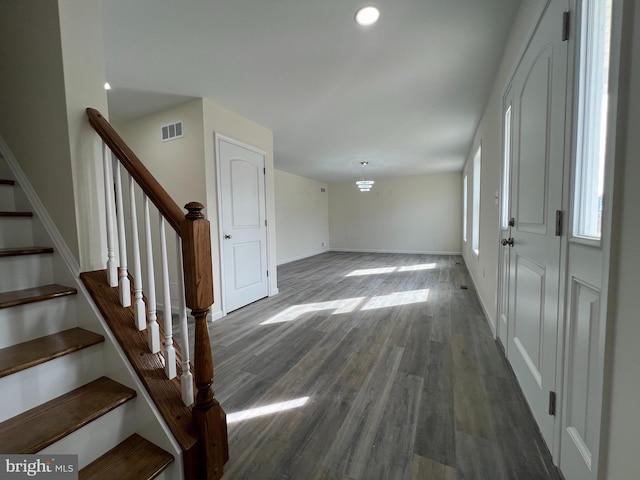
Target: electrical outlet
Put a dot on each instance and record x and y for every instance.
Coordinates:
(322, 244)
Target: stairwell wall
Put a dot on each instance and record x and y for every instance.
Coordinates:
(53, 68)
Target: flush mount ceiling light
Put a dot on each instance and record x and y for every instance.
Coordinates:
(367, 15)
(363, 184)
(107, 86)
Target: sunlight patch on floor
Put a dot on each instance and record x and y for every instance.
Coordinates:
(372, 271)
(292, 313)
(397, 298)
(381, 270)
(415, 268)
(266, 410)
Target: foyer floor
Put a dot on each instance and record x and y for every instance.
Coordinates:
(371, 366)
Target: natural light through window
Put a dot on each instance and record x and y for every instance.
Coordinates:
(381, 270)
(414, 268)
(464, 208)
(347, 305)
(475, 221)
(396, 299)
(506, 163)
(372, 271)
(593, 102)
(338, 306)
(266, 410)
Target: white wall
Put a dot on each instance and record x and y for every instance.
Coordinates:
(302, 216)
(177, 164)
(622, 369)
(420, 214)
(484, 267)
(43, 96)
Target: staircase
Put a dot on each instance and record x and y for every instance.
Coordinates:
(58, 387)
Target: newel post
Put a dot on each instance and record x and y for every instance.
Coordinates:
(208, 416)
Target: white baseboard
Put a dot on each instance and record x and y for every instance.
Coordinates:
(490, 320)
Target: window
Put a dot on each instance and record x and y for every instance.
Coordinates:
(475, 227)
(464, 208)
(506, 163)
(593, 98)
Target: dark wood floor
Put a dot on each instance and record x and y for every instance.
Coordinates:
(402, 375)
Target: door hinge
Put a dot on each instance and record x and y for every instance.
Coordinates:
(512, 222)
(264, 170)
(267, 273)
(559, 222)
(566, 23)
(552, 403)
(265, 223)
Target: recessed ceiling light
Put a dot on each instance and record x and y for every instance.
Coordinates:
(367, 15)
(107, 86)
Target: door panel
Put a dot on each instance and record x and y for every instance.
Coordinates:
(539, 90)
(528, 321)
(245, 194)
(243, 224)
(534, 145)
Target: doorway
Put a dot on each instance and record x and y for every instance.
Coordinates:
(243, 223)
(530, 310)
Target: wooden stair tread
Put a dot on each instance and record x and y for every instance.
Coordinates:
(12, 252)
(16, 214)
(4, 181)
(34, 352)
(35, 294)
(134, 459)
(39, 427)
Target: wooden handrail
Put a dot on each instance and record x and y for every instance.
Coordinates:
(208, 417)
(156, 193)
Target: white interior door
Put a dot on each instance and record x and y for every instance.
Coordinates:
(243, 223)
(539, 94)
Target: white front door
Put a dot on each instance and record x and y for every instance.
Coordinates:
(539, 94)
(243, 223)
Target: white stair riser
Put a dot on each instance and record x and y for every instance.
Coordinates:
(16, 232)
(7, 200)
(29, 388)
(25, 271)
(33, 320)
(97, 437)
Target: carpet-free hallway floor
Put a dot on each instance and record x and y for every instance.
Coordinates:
(371, 366)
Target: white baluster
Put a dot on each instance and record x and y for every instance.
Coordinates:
(153, 329)
(138, 303)
(123, 272)
(186, 379)
(169, 351)
(112, 265)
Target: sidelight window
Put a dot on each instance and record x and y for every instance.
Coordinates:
(464, 208)
(475, 226)
(593, 100)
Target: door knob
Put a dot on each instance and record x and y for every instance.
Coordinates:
(227, 237)
(506, 242)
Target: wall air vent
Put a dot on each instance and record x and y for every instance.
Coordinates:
(172, 131)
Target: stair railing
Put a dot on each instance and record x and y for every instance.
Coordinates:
(195, 282)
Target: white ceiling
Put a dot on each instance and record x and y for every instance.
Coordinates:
(405, 94)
